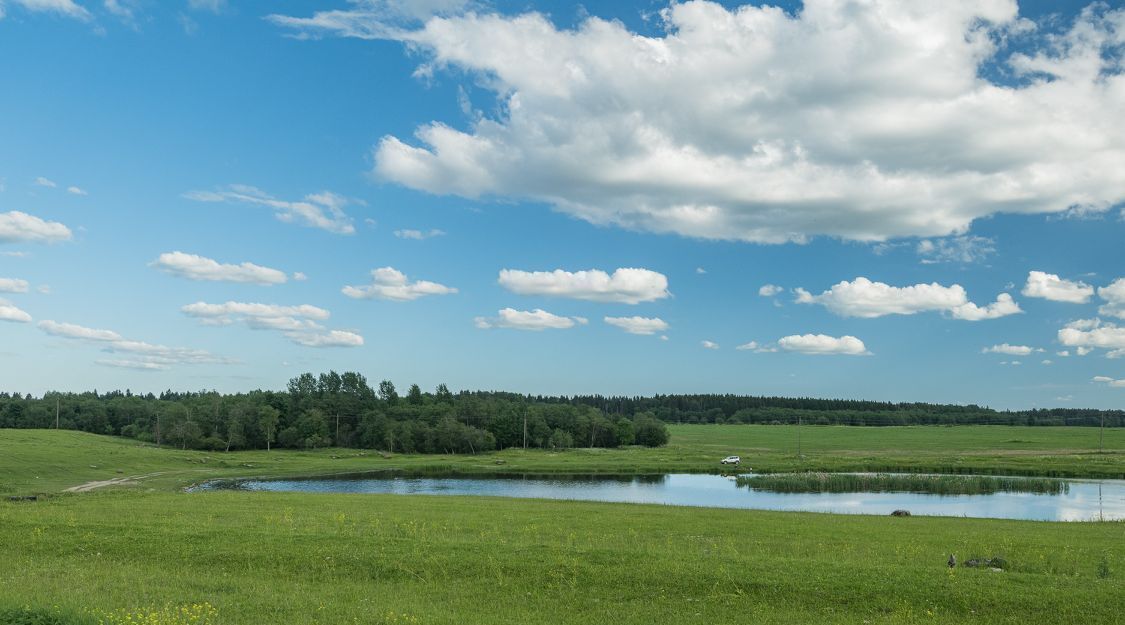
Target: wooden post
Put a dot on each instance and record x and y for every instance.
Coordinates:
(57, 414)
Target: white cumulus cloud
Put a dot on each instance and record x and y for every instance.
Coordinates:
(13, 285)
(1050, 286)
(864, 120)
(299, 324)
(865, 298)
(769, 290)
(1085, 335)
(195, 267)
(639, 325)
(823, 344)
(1011, 350)
(534, 320)
(16, 226)
(391, 284)
(142, 354)
(1101, 379)
(709, 345)
(626, 285)
(1114, 296)
(73, 190)
(9, 312)
(324, 210)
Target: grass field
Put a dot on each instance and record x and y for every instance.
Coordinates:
(44, 461)
(301, 558)
(306, 558)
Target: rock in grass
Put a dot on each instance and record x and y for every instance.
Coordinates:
(901, 513)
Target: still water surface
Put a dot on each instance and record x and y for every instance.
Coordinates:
(1087, 500)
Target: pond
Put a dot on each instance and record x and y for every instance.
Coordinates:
(1084, 500)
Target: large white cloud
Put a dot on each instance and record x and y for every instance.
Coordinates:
(627, 285)
(13, 285)
(391, 284)
(16, 226)
(1114, 296)
(299, 324)
(534, 320)
(864, 298)
(863, 119)
(1088, 334)
(1050, 286)
(195, 267)
(639, 325)
(324, 210)
(144, 355)
(823, 344)
(9, 312)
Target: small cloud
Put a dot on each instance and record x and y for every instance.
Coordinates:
(533, 320)
(44, 182)
(959, 249)
(324, 210)
(700, 270)
(76, 191)
(300, 276)
(752, 345)
(1051, 287)
(419, 235)
(13, 285)
(709, 345)
(201, 268)
(823, 344)
(44, 289)
(627, 285)
(1108, 381)
(1010, 350)
(9, 312)
(300, 324)
(769, 290)
(1047, 361)
(638, 325)
(391, 284)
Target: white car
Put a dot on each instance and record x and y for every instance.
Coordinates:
(731, 460)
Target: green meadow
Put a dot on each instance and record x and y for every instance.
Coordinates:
(45, 461)
(146, 549)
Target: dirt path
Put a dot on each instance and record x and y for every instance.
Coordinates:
(117, 481)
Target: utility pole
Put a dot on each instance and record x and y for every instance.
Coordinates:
(57, 414)
(798, 436)
(525, 430)
(1101, 435)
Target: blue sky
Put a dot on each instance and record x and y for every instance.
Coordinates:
(891, 172)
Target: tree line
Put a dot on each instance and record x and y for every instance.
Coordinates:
(343, 410)
(333, 409)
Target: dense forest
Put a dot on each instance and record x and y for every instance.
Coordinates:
(336, 410)
(345, 411)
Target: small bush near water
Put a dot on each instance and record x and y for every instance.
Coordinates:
(884, 482)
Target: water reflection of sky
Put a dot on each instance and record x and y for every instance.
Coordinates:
(1087, 499)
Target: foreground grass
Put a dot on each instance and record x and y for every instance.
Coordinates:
(47, 461)
(327, 559)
